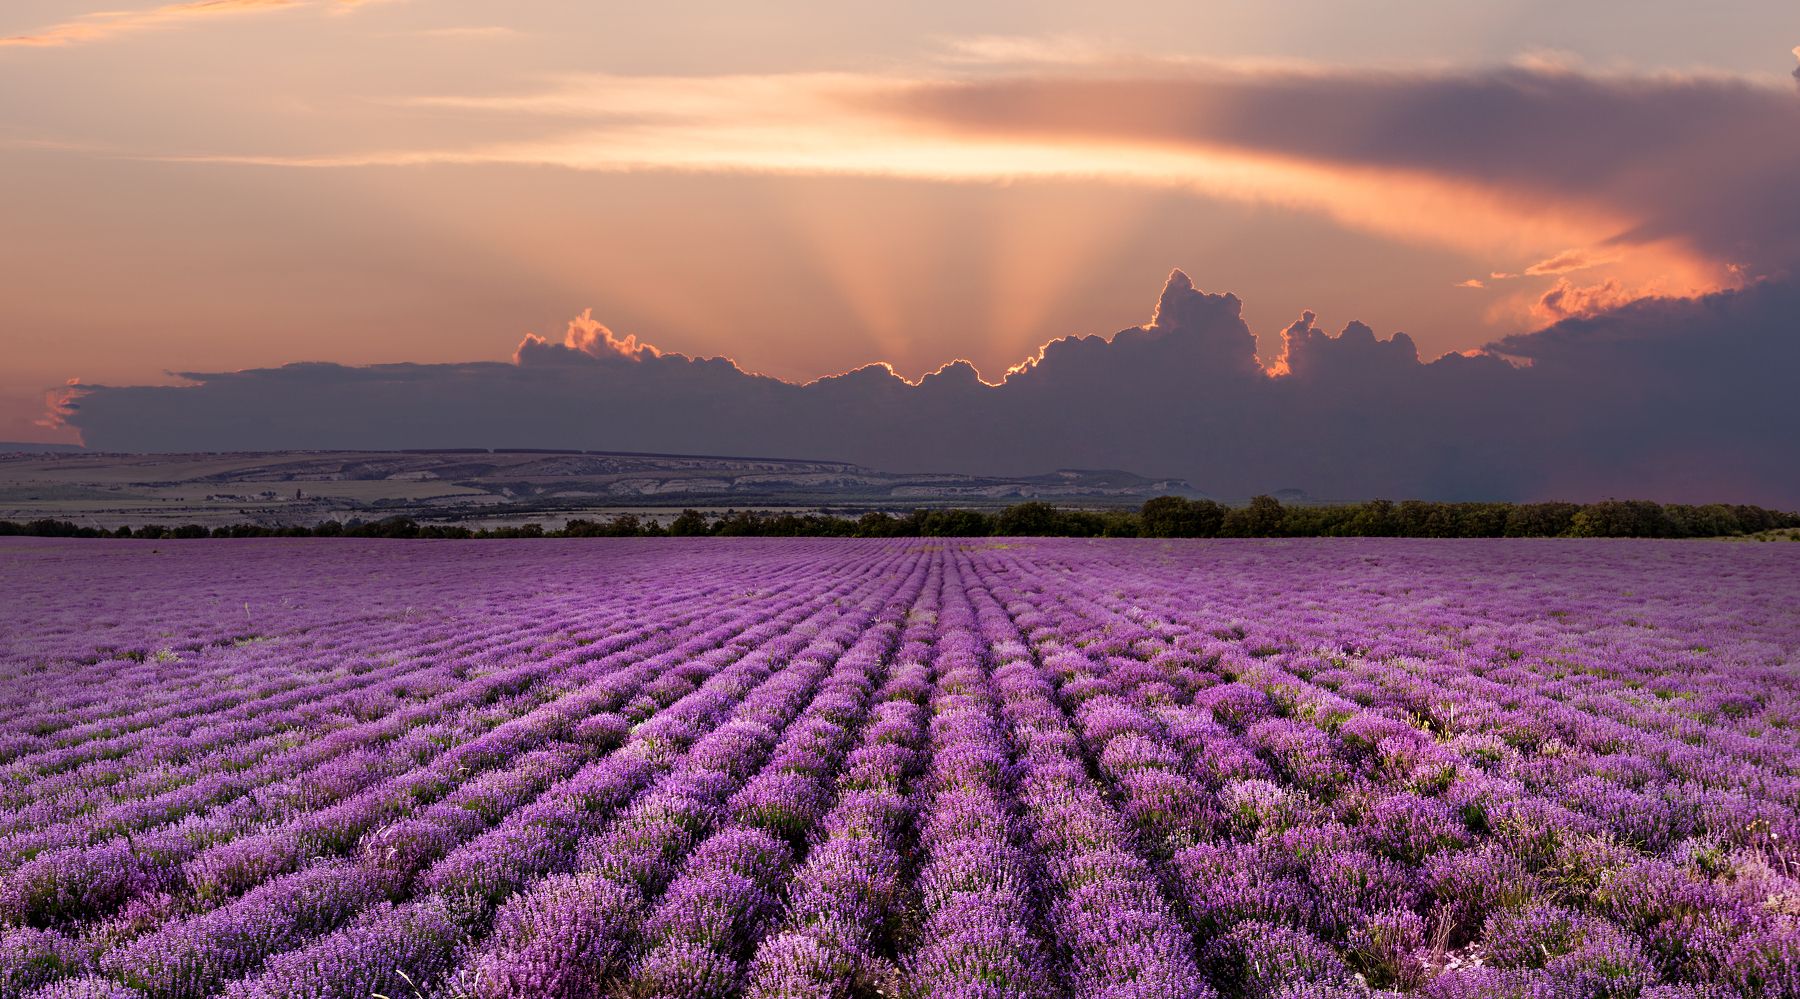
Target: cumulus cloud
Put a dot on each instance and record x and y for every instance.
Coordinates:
(586, 335)
(1679, 399)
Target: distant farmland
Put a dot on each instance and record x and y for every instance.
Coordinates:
(477, 486)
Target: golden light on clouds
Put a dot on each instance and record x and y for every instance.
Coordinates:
(428, 179)
(840, 124)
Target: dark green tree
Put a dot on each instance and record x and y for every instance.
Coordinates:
(1261, 519)
(690, 523)
(1180, 517)
(1032, 519)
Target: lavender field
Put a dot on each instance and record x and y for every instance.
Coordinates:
(795, 768)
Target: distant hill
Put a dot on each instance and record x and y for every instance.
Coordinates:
(501, 486)
(25, 447)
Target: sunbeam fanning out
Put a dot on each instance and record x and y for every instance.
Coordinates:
(239, 185)
(952, 499)
(1576, 410)
(1011, 129)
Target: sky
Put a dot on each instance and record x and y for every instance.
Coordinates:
(236, 185)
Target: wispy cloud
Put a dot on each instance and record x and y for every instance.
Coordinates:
(1674, 183)
(1396, 154)
(1569, 260)
(1663, 183)
(104, 25)
(845, 123)
(1019, 50)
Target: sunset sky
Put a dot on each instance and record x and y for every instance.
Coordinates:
(229, 184)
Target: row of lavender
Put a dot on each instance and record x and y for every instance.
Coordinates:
(853, 768)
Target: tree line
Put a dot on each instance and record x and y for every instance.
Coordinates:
(1162, 517)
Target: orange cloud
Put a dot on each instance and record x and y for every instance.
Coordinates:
(1583, 172)
(840, 123)
(1209, 130)
(1568, 260)
(59, 406)
(1568, 300)
(587, 335)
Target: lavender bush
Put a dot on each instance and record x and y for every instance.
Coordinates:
(1318, 769)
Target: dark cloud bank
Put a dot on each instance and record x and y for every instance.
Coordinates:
(1710, 161)
(1677, 400)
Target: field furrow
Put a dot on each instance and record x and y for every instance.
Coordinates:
(1005, 769)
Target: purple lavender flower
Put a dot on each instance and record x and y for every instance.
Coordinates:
(1300, 770)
